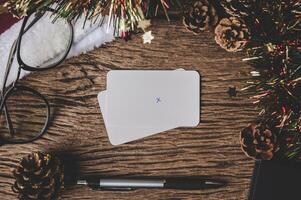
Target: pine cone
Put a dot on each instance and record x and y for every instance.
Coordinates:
(238, 8)
(200, 16)
(232, 34)
(258, 142)
(38, 176)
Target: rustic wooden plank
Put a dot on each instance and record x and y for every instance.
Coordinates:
(77, 130)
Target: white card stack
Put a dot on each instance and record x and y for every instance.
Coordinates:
(140, 103)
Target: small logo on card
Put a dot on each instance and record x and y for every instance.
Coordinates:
(158, 100)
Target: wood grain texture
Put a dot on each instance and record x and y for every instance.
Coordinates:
(77, 131)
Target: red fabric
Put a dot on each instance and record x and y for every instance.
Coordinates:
(6, 21)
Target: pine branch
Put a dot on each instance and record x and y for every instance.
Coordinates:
(276, 57)
(125, 14)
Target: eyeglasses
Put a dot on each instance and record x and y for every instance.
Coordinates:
(24, 112)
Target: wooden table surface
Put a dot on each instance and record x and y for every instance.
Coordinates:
(77, 131)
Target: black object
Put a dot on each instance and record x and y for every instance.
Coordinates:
(232, 91)
(168, 183)
(276, 181)
(7, 92)
(192, 183)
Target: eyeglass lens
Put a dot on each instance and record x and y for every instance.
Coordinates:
(46, 42)
(27, 113)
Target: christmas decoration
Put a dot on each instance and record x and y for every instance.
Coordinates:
(232, 91)
(39, 176)
(2, 9)
(147, 37)
(200, 16)
(238, 8)
(66, 9)
(144, 24)
(155, 8)
(124, 14)
(258, 142)
(274, 52)
(232, 34)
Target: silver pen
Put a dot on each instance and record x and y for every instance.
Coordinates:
(167, 183)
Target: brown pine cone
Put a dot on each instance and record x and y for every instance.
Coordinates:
(238, 8)
(38, 176)
(258, 142)
(232, 34)
(200, 16)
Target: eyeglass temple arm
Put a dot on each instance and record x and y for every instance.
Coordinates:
(13, 48)
(13, 51)
(7, 117)
(8, 121)
(8, 67)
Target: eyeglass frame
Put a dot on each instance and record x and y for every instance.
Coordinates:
(8, 91)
